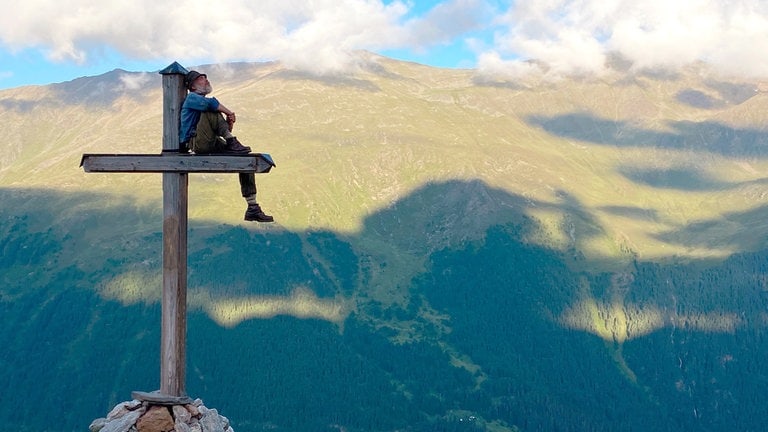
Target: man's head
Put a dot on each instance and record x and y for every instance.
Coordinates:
(198, 82)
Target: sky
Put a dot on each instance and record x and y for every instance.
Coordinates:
(43, 41)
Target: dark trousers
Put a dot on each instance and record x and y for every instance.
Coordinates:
(208, 138)
(247, 184)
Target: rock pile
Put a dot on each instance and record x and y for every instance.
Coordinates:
(152, 416)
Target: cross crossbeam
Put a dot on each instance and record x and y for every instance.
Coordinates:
(176, 162)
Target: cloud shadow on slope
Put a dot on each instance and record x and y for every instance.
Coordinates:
(726, 94)
(18, 105)
(499, 298)
(680, 178)
(439, 216)
(713, 137)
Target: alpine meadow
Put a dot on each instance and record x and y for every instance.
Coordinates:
(451, 252)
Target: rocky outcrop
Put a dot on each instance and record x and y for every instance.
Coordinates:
(159, 416)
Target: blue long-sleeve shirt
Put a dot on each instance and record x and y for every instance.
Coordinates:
(193, 105)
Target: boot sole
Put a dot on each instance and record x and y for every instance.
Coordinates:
(259, 220)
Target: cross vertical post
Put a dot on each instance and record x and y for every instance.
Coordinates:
(175, 167)
(175, 206)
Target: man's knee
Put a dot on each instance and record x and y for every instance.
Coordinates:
(208, 135)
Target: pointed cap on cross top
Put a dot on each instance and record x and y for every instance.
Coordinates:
(174, 68)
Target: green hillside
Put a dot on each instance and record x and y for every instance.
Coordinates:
(451, 252)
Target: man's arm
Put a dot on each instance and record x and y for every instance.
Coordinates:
(198, 102)
(227, 112)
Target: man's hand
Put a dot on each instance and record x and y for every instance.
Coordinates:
(231, 119)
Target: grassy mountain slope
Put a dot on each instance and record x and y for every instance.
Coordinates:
(580, 255)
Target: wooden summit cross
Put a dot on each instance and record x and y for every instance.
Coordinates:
(175, 167)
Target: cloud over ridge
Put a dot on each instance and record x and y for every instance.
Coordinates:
(578, 36)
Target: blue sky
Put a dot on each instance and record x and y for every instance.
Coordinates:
(44, 42)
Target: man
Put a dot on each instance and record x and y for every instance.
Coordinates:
(205, 129)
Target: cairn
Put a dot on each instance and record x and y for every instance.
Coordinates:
(150, 413)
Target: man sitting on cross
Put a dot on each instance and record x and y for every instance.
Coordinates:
(205, 130)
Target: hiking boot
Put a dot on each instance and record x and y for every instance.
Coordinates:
(234, 146)
(254, 213)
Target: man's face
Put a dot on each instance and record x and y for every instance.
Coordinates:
(201, 85)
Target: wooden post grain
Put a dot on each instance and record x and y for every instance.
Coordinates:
(175, 204)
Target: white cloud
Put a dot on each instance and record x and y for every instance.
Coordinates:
(568, 36)
(577, 36)
(318, 35)
(135, 81)
(493, 66)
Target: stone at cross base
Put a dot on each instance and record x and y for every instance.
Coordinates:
(145, 416)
